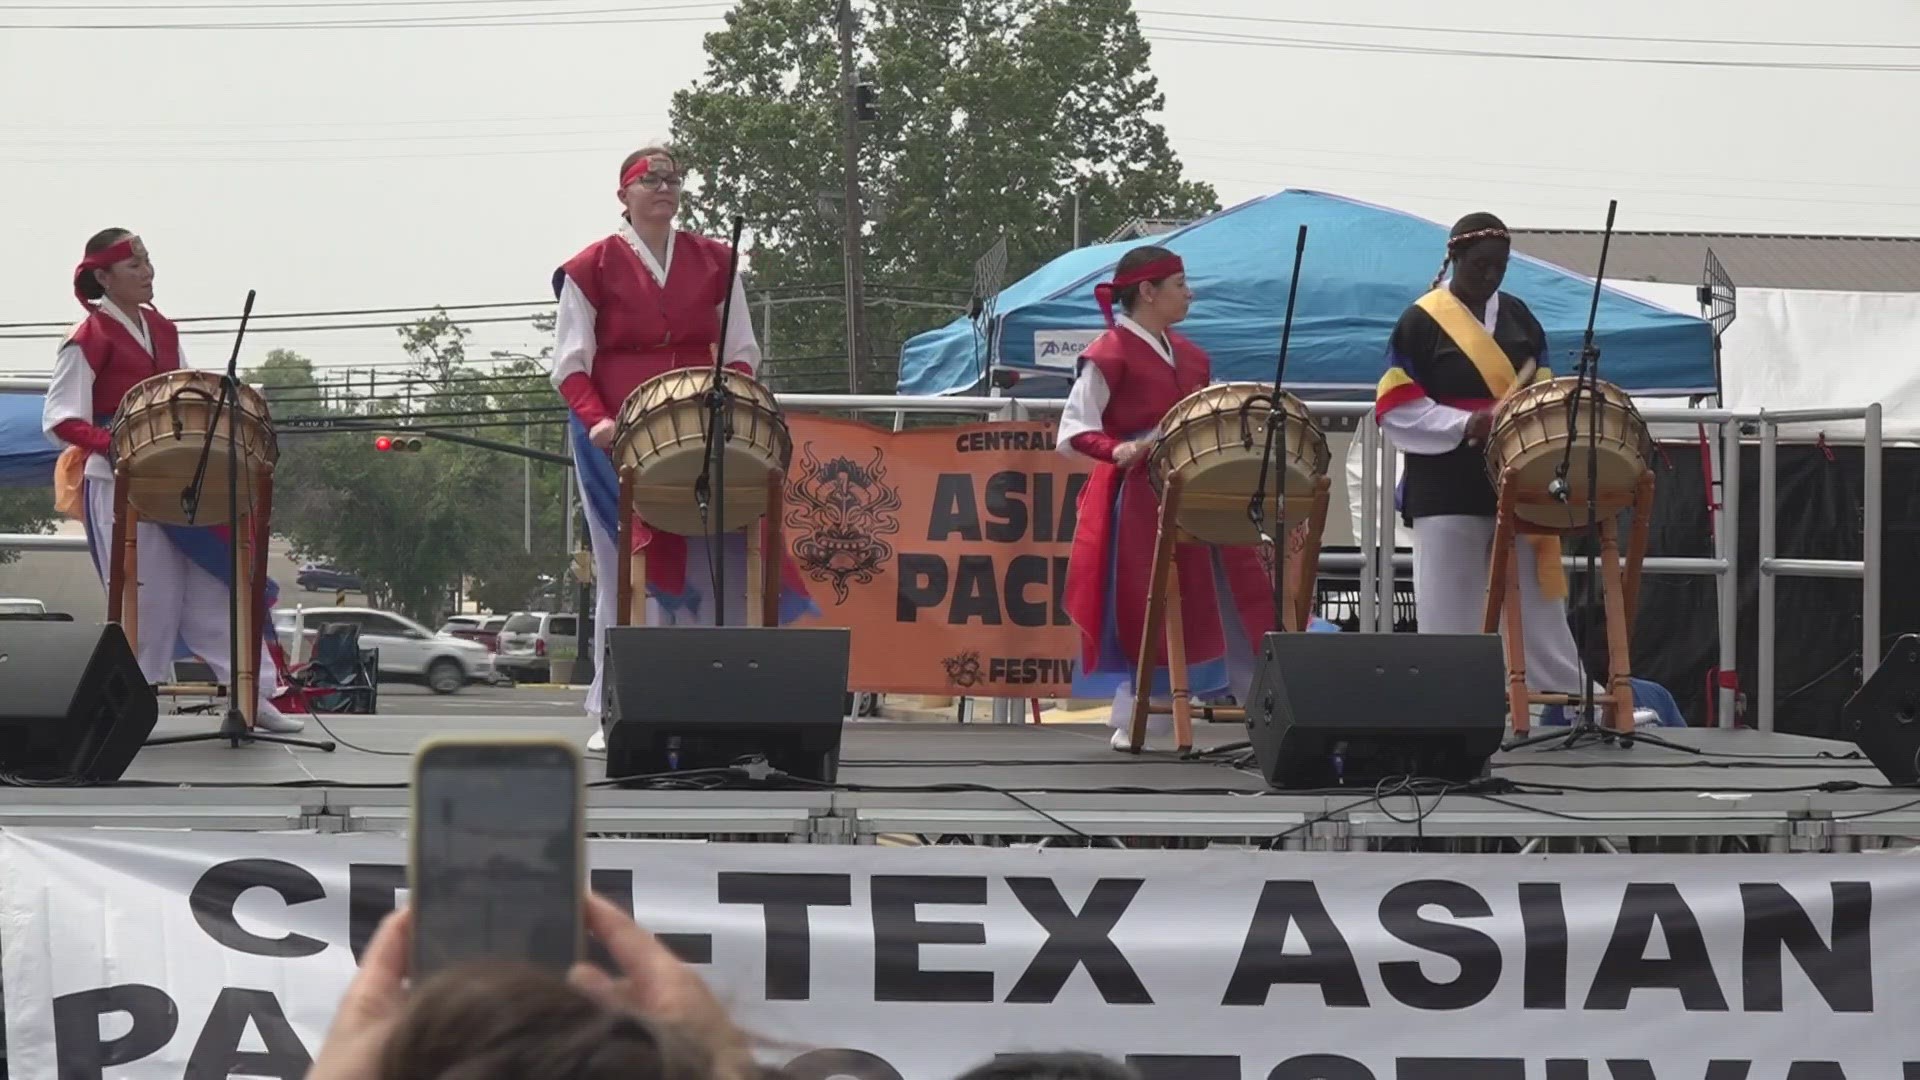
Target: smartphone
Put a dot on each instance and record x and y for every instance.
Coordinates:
(498, 864)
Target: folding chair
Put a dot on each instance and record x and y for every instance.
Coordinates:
(341, 677)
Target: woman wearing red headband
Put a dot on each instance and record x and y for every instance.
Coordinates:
(185, 571)
(1128, 379)
(633, 305)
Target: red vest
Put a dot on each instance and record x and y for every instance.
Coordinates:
(118, 361)
(641, 329)
(1141, 386)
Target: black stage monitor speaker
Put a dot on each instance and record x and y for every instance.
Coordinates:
(1328, 710)
(73, 703)
(703, 697)
(1883, 716)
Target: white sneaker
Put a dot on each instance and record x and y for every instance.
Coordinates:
(597, 742)
(1123, 741)
(273, 720)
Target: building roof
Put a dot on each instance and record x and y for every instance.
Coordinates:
(1758, 260)
(1141, 228)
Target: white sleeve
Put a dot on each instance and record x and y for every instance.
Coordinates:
(741, 346)
(1086, 402)
(1426, 427)
(573, 343)
(70, 394)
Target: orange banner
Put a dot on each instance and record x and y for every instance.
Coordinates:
(943, 549)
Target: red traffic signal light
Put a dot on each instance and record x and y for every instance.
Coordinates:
(383, 443)
(400, 444)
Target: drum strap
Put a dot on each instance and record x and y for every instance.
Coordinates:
(1496, 370)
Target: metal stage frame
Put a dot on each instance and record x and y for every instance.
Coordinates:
(989, 784)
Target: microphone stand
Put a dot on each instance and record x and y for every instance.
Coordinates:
(1276, 441)
(1587, 386)
(233, 727)
(713, 474)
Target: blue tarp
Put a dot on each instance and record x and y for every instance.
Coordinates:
(1364, 264)
(26, 454)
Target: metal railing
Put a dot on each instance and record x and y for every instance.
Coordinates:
(1378, 561)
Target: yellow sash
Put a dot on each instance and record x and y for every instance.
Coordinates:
(1496, 370)
(69, 472)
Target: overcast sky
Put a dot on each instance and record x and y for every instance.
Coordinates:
(401, 166)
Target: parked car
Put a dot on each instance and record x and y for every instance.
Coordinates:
(319, 577)
(529, 640)
(484, 629)
(22, 606)
(408, 650)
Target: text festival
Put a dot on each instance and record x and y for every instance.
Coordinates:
(1775, 930)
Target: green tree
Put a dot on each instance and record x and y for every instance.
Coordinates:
(25, 510)
(991, 116)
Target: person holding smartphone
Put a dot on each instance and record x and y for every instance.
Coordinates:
(643, 301)
(1127, 380)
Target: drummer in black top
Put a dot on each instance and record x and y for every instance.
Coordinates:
(1454, 354)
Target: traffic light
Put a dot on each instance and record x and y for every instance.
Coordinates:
(863, 109)
(398, 443)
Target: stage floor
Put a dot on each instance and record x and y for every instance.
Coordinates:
(1758, 790)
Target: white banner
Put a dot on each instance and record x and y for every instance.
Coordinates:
(1061, 348)
(174, 954)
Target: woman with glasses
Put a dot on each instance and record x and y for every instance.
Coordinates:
(638, 303)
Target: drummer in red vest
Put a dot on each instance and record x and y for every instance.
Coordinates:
(1128, 378)
(186, 572)
(633, 305)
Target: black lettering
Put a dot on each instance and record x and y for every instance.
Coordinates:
(1320, 1067)
(1006, 508)
(1329, 961)
(1461, 1068)
(830, 1064)
(784, 899)
(1816, 1070)
(1070, 506)
(1478, 954)
(1043, 508)
(214, 895)
(217, 1052)
(1841, 972)
(372, 889)
(1073, 940)
(79, 1050)
(898, 935)
(616, 887)
(1566, 1068)
(1642, 1069)
(923, 583)
(1625, 966)
(1185, 1066)
(1024, 571)
(1543, 925)
(975, 593)
(1060, 616)
(954, 509)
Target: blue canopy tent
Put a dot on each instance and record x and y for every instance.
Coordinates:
(1364, 264)
(26, 454)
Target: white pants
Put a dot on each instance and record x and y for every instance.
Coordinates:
(1239, 664)
(606, 583)
(1451, 554)
(180, 603)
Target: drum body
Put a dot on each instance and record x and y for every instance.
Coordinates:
(1531, 432)
(661, 435)
(1214, 438)
(160, 431)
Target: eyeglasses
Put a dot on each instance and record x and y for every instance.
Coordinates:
(654, 182)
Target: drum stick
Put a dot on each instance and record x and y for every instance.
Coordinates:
(1528, 371)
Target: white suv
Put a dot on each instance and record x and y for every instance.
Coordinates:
(529, 639)
(407, 649)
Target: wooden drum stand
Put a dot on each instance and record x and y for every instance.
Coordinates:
(763, 558)
(1622, 589)
(249, 572)
(1163, 618)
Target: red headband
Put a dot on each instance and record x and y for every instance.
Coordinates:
(101, 260)
(643, 167)
(1164, 267)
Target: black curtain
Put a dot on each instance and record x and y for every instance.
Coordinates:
(1817, 635)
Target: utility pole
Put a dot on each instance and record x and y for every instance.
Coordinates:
(852, 215)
